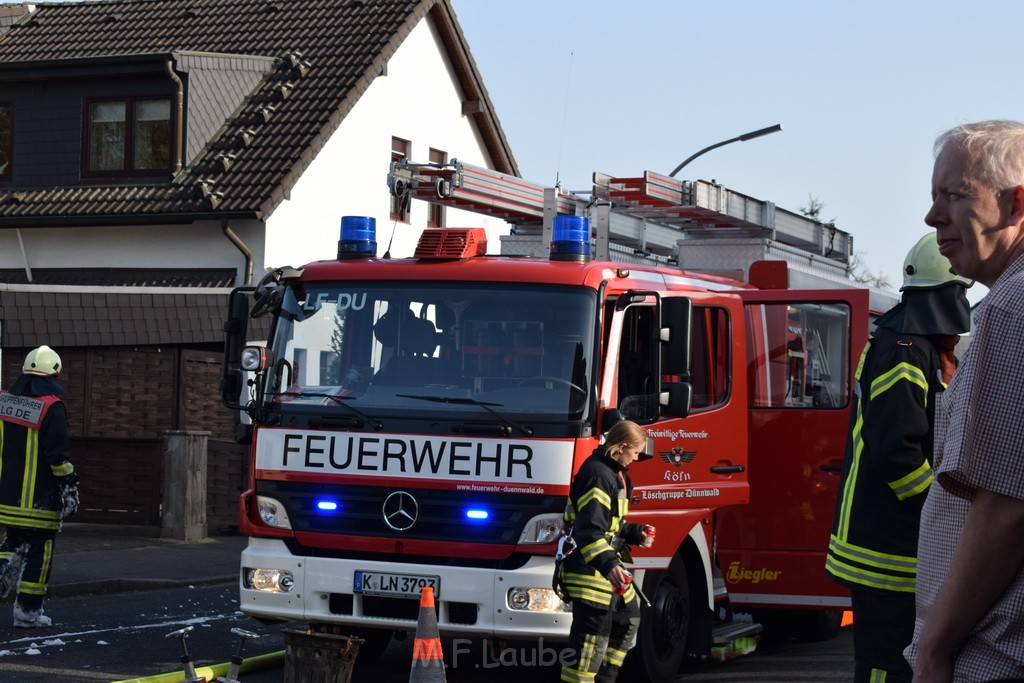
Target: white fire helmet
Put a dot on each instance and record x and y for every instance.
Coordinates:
(42, 361)
(926, 268)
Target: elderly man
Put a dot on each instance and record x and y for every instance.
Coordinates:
(970, 583)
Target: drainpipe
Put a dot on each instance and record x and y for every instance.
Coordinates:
(179, 123)
(24, 255)
(230, 234)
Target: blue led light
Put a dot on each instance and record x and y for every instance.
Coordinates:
(358, 237)
(477, 514)
(570, 238)
(327, 505)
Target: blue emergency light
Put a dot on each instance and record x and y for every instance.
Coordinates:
(358, 237)
(327, 505)
(570, 239)
(477, 514)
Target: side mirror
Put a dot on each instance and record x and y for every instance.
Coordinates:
(235, 329)
(609, 419)
(267, 301)
(676, 398)
(676, 326)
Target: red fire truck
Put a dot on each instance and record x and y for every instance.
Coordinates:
(417, 421)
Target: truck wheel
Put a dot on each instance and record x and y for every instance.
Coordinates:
(661, 641)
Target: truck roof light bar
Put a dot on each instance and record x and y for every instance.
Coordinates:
(358, 238)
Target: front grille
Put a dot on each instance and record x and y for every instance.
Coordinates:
(442, 514)
(463, 613)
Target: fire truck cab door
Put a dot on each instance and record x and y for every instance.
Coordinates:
(802, 351)
(700, 453)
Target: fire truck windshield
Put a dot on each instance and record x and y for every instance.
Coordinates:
(509, 354)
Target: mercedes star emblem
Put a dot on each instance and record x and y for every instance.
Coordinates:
(400, 511)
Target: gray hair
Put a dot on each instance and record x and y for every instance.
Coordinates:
(996, 145)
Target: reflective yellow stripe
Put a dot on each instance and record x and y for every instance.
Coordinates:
(63, 469)
(594, 549)
(846, 500)
(28, 480)
(877, 676)
(590, 587)
(904, 564)
(615, 657)
(894, 572)
(868, 578)
(914, 483)
(906, 371)
(590, 652)
(597, 495)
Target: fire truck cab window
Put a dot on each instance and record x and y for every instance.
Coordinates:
(436, 350)
(797, 355)
(638, 380)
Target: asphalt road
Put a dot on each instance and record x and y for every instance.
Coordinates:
(118, 637)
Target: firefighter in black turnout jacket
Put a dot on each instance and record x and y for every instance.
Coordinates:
(605, 606)
(38, 484)
(887, 468)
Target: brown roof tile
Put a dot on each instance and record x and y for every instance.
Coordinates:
(193, 316)
(343, 45)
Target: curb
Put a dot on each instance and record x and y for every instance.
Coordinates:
(105, 586)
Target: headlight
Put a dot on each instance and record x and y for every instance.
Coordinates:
(269, 580)
(542, 529)
(535, 600)
(253, 359)
(272, 513)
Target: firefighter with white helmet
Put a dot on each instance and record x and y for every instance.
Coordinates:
(887, 469)
(38, 484)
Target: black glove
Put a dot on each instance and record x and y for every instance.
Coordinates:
(67, 487)
(68, 501)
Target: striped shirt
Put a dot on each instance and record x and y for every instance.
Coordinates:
(979, 444)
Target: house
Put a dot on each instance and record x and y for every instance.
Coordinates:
(156, 153)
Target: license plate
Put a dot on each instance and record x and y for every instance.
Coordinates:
(394, 585)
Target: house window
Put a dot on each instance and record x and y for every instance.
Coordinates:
(128, 137)
(399, 206)
(6, 139)
(435, 212)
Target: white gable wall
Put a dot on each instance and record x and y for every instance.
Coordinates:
(419, 101)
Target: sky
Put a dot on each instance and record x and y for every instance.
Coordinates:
(860, 88)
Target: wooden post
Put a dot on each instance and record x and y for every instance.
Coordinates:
(184, 496)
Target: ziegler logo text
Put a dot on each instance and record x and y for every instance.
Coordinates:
(738, 573)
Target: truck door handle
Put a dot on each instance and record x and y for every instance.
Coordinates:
(829, 467)
(727, 469)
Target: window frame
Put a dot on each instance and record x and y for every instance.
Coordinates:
(127, 169)
(435, 212)
(400, 149)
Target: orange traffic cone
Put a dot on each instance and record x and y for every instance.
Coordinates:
(427, 661)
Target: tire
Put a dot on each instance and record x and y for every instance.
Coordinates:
(664, 626)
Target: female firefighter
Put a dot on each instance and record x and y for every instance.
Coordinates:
(605, 607)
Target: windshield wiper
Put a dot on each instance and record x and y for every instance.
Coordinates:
(338, 400)
(472, 402)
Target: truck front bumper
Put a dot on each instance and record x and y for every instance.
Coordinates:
(471, 601)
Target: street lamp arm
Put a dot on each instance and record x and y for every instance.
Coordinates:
(741, 138)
